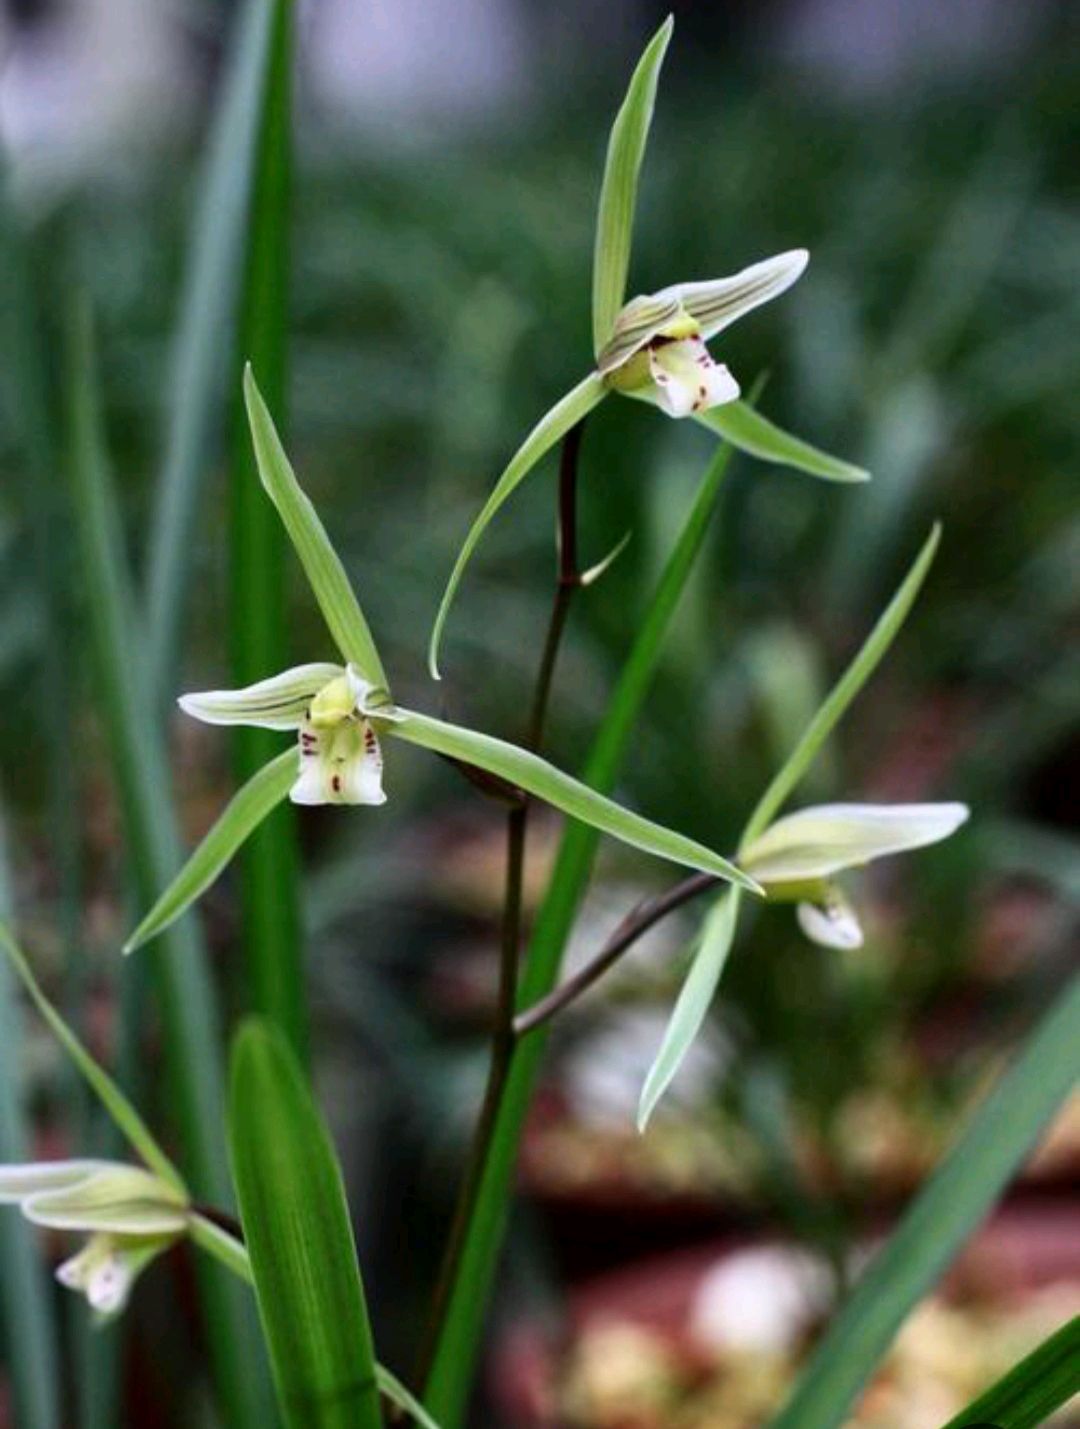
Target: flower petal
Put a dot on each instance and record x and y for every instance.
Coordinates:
(122, 1199)
(340, 765)
(107, 1267)
(827, 838)
(31, 1177)
(280, 702)
(833, 922)
(716, 304)
(687, 379)
(640, 321)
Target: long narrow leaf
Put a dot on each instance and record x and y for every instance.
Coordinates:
(745, 428)
(551, 428)
(870, 655)
(243, 813)
(1031, 1391)
(29, 1334)
(196, 396)
(618, 192)
(693, 1002)
(941, 1218)
(119, 1108)
(449, 1381)
(184, 991)
(537, 777)
(269, 865)
(322, 565)
(299, 1238)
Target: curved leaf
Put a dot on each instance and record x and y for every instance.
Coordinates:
(1032, 1390)
(745, 428)
(541, 779)
(244, 811)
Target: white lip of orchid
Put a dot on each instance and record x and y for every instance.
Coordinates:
(830, 921)
(106, 1268)
(657, 352)
(334, 711)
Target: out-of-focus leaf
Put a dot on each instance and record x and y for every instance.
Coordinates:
(244, 811)
(618, 191)
(941, 1217)
(299, 1238)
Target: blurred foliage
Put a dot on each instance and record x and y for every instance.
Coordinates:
(439, 303)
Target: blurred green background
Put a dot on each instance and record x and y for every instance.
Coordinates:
(443, 205)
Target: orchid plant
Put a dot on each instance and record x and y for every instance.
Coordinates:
(294, 1240)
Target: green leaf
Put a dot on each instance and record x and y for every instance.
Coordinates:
(243, 813)
(123, 1114)
(393, 1389)
(269, 871)
(195, 391)
(551, 428)
(618, 192)
(745, 428)
(185, 993)
(447, 1388)
(942, 1216)
(694, 1000)
(299, 1237)
(322, 565)
(1032, 1390)
(842, 693)
(529, 772)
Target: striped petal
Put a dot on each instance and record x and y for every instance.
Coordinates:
(17, 1182)
(686, 380)
(341, 764)
(121, 1200)
(281, 702)
(639, 322)
(716, 304)
(821, 841)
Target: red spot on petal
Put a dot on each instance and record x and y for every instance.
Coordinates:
(335, 783)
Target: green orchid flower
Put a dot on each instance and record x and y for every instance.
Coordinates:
(342, 711)
(129, 1214)
(796, 858)
(653, 348)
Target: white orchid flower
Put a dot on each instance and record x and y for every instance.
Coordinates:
(653, 347)
(657, 350)
(334, 711)
(129, 1214)
(796, 858)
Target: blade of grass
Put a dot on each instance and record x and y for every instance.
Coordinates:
(450, 1378)
(942, 1216)
(184, 991)
(299, 1238)
(259, 646)
(29, 1331)
(1042, 1382)
(196, 399)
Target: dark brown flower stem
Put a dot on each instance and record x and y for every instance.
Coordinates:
(504, 1038)
(638, 922)
(221, 1219)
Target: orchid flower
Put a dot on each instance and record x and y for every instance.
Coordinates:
(129, 1214)
(653, 347)
(796, 858)
(341, 711)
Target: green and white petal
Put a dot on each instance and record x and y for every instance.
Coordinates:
(17, 1182)
(685, 379)
(107, 1267)
(339, 764)
(123, 1200)
(643, 318)
(280, 702)
(832, 922)
(823, 840)
(716, 304)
